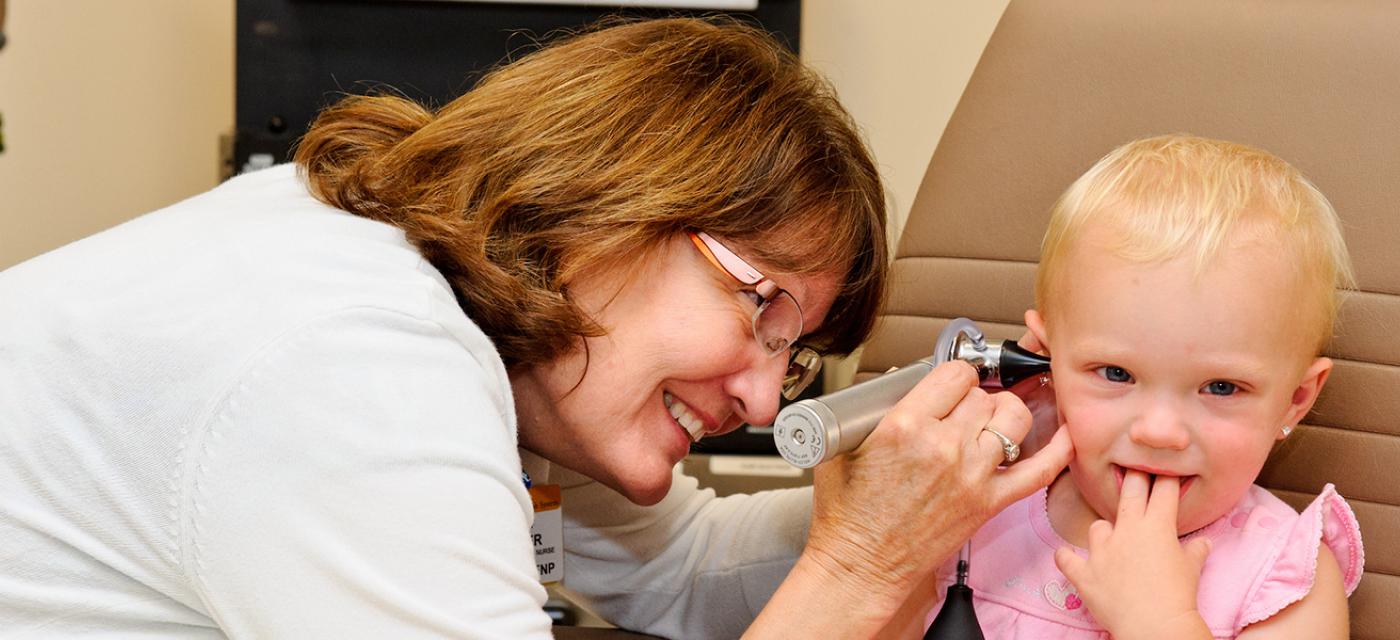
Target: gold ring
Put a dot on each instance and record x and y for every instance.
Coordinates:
(1010, 451)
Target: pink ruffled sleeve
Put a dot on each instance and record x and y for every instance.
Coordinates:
(1328, 520)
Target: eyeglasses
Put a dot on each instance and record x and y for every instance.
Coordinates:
(777, 322)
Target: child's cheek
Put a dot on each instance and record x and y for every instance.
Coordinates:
(1089, 420)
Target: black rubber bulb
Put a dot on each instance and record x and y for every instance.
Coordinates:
(956, 620)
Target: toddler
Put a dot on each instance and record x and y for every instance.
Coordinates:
(1186, 288)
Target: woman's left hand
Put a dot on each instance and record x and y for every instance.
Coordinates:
(1139, 580)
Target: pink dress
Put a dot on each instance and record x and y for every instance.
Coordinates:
(1263, 556)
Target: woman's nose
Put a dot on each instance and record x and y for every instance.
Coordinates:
(756, 388)
(1161, 425)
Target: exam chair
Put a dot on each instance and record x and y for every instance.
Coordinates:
(1062, 83)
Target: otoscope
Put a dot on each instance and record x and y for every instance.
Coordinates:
(812, 431)
(815, 430)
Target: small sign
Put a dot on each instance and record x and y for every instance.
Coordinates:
(548, 532)
(768, 466)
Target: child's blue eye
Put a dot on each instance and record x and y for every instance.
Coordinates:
(1115, 374)
(1221, 388)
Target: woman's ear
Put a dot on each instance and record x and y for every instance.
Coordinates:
(1035, 339)
(1306, 394)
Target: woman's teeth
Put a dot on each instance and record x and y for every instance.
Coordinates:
(681, 413)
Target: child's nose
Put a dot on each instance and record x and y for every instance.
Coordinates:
(1161, 426)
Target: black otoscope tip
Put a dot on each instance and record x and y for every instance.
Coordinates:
(1017, 364)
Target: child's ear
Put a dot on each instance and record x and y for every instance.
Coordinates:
(1306, 393)
(1035, 339)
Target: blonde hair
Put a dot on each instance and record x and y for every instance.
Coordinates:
(595, 150)
(1178, 195)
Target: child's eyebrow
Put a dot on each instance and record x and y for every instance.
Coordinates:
(1219, 365)
(1097, 350)
(1232, 367)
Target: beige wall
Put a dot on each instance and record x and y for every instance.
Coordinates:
(112, 109)
(115, 108)
(900, 67)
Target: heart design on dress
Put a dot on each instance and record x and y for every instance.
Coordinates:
(1063, 595)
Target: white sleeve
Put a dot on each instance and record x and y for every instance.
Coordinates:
(691, 566)
(361, 480)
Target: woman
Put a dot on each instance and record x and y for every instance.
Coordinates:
(300, 405)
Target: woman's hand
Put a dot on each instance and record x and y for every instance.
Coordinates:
(923, 481)
(1139, 581)
(885, 515)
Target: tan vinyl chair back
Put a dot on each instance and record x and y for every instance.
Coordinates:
(1061, 83)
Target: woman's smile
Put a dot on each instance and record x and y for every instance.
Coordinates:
(693, 424)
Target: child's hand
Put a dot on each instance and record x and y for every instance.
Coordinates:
(1139, 580)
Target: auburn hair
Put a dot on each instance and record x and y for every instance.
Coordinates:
(596, 149)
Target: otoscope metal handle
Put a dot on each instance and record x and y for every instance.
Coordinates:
(808, 432)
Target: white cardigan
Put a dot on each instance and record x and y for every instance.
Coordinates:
(253, 415)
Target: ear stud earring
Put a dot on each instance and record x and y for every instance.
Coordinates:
(1287, 429)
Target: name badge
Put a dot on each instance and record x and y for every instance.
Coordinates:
(548, 532)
